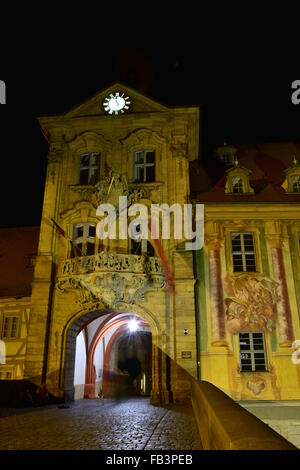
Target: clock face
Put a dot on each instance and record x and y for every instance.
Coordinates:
(116, 103)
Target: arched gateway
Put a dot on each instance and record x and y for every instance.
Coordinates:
(109, 327)
(96, 158)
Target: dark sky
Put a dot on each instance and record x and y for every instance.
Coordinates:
(245, 98)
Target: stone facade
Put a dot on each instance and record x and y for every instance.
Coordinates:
(69, 291)
(262, 296)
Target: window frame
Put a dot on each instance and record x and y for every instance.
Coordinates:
(90, 167)
(297, 183)
(143, 165)
(144, 247)
(18, 327)
(243, 252)
(85, 238)
(7, 371)
(252, 351)
(227, 158)
(240, 184)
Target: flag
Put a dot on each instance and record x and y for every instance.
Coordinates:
(60, 231)
(167, 272)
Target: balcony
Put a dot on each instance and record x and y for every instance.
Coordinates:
(110, 262)
(110, 278)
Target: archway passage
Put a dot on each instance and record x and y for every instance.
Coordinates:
(131, 358)
(113, 357)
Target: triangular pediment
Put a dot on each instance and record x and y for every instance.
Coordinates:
(139, 103)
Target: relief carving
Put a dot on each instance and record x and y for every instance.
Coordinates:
(109, 189)
(110, 289)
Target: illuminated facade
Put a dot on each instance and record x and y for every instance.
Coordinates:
(115, 144)
(248, 290)
(235, 312)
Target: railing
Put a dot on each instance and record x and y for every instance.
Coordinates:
(225, 425)
(110, 262)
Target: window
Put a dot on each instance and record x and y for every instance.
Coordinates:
(144, 166)
(252, 352)
(89, 168)
(243, 254)
(237, 184)
(296, 183)
(142, 247)
(10, 327)
(5, 375)
(84, 238)
(227, 158)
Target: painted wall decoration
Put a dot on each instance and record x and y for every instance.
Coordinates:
(250, 304)
(256, 384)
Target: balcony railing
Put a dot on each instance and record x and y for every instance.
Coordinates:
(111, 262)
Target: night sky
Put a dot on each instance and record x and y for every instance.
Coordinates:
(245, 97)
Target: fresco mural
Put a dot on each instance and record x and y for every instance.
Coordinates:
(250, 304)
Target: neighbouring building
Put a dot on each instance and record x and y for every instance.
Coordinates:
(18, 249)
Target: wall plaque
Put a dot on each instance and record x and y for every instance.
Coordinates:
(186, 354)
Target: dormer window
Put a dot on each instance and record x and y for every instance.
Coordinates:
(296, 183)
(237, 184)
(291, 183)
(227, 158)
(89, 168)
(226, 154)
(237, 180)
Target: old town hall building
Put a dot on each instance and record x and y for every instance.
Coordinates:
(234, 315)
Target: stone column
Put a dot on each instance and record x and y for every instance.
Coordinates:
(213, 244)
(275, 238)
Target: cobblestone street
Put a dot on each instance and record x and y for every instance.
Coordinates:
(89, 424)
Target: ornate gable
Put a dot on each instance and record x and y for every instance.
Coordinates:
(138, 103)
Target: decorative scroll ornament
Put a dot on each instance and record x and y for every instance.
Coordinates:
(109, 189)
(251, 303)
(110, 289)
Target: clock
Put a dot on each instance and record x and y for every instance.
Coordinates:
(116, 103)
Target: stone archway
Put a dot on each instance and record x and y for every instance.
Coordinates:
(77, 323)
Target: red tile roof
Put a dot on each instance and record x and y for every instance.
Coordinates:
(267, 163)
(17, 247)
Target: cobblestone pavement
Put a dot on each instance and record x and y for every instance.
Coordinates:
(131, 424)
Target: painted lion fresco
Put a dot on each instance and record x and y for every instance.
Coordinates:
(250, 303)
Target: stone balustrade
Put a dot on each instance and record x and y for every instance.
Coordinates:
(110, 262)
(224, 425)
